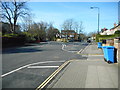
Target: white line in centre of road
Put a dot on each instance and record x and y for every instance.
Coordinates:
(80, 50)
(63, 48)
(43, 67)
(27, 66)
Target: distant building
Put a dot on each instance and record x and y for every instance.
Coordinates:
(69, 34)
(112, 30)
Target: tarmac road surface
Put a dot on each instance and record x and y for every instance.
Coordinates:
(29, 66)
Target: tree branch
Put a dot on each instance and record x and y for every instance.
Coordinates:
(5, 8)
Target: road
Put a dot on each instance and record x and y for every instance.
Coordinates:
(30, 65)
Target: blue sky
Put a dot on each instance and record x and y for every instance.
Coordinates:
(58, 12)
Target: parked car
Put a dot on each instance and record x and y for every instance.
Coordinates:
(89, 41)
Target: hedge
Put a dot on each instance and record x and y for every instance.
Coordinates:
(8, 41)
(104, 37)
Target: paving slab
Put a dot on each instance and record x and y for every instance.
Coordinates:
(92, 49)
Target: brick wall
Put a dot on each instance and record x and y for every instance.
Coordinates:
(119, 52)
(117, 46)
(110, 42)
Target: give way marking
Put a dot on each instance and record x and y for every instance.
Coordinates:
(25, 66)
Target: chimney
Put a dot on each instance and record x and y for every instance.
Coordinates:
(115, 24)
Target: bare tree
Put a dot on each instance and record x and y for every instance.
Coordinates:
(80, 27)
(90, 34)
(42, 30)
(43, 25)
(68, 24)
(52, 32)
(71, 24)
(39, 30)
(12, 11)
(76, 27)
(26, 24)
(80, 31)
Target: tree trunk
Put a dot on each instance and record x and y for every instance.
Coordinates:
(11, 27)
(14, 26)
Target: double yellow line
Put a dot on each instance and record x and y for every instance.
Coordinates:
(41, 86)
(52, 75)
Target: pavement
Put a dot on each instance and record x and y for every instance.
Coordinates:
(90, 72)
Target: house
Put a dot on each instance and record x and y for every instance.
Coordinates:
(69, 34)
(103, 31)
(111, 31)
(115, 28)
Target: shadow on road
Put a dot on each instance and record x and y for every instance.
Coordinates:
(20, 50)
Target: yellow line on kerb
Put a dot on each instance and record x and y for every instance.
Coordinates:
(52, 75)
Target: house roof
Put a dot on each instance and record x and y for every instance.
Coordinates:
(67, 31)
(116, 26)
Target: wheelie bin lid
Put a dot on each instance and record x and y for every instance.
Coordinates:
(104, 46)
(110, 47)
(99, 43)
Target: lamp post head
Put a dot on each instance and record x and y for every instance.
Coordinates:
(98, 15)
(94, 7)
(91, 7)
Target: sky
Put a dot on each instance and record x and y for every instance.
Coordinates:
(58, 12)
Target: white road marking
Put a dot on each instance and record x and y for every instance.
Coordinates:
(63, 46)
(85, 48)
(79, 50)
(27, 66)
(43, 67)
(14, 71)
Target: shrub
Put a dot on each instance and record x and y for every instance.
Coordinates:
(9, 40)
(29, 37)
(117, 32)
(10, 35)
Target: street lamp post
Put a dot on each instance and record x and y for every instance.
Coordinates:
(98, 16)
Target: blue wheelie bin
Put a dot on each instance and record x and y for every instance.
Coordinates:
(110, 54)
(105, 52)
(99, 45)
